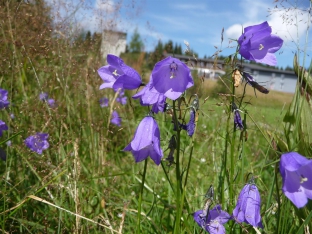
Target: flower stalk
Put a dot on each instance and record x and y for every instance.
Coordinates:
(179, 204)
(138, 230)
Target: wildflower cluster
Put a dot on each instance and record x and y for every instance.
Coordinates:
(37, 142)
(169, 79)
(164, 93)
(45, 98)
(247, 211)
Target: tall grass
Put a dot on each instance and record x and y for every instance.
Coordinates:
(84, 182)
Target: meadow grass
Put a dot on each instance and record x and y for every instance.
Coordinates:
(85, 170)
(84, 182)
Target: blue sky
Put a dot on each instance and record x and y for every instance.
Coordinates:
(200, 22)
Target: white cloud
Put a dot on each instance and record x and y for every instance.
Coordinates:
(289, 25)
(104, 5)
(234, 31)
(253, 10)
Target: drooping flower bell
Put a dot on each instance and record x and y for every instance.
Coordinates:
(118, 75)
(37, 142)
(296, 172)
(3, 98)
(104, 102)
(259, 45)
(190, 126)
(146, 141)
(150, 96)
(51, 103)
(171, 77)
(237, 118)
(116, 120)
(122, 99)
(251, 81)
(3, 127)
(248, 206)
(172, 147)
(43, 96)
(214, 220)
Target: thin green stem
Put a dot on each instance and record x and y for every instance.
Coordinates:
(138, 230)
(167, 176)
(186, 176)
(179, 206)
(278, 198)
(224, 162)
(232, 157)
(243, 147)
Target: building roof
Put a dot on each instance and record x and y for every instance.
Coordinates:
(244, 65)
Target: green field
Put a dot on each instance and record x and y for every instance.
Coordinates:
(85, 183)
(85, 172)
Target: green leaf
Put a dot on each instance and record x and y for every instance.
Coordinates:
(298, 119)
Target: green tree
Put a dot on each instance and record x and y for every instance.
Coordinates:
(169, 46)
(159, 49)
(88, 36)
(156, 55)
(179, 49)
(175, 50)
(88, 39)
(136, 43)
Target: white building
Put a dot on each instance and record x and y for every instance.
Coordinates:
(113, 42)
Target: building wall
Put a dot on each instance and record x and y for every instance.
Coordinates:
(278, 81)
(113, 43)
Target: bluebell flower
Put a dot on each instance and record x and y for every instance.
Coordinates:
(51, 103)
(115, 119)
(190, 126)
(118, 75)
(171, 77)
(104, 102)
(146, 141)
(258, 44)
(213, 222)
(251, 81)
(237, 118)
(172, 146)
(122, 99)
(248, 206)
(150, 96)
(43, 96)
(296, 172)
(3, 127)
(4, 98)
(37, 142)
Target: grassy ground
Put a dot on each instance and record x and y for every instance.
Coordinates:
(85, 172)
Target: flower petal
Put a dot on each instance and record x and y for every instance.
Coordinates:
(171, 77)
